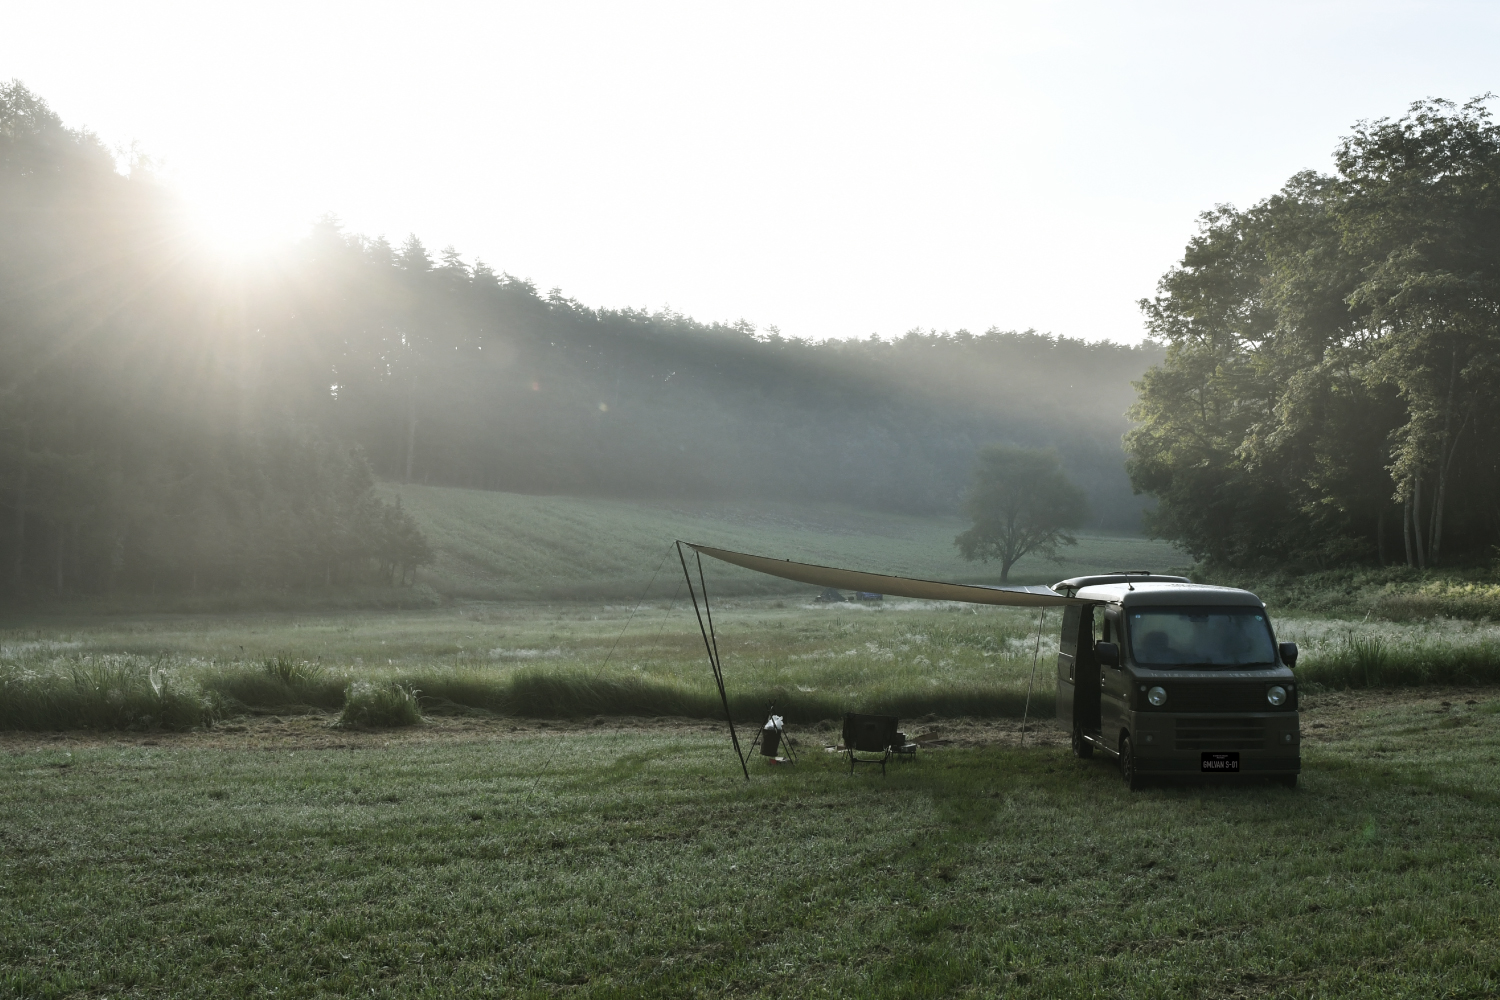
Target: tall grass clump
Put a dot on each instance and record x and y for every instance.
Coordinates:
(280, 683)
(1370, 661)
(568, 694)
(369, 705)
(108, 692)
(565, 694)
(1472, 601)
(1393, 593)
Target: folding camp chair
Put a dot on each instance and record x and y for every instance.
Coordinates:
(874, 734)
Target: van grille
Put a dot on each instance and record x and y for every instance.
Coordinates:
(1223, 733)
(1216, 697)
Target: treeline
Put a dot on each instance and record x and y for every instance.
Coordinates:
(462, 377)
(1330, 390)
(455, 375)
(173, 422)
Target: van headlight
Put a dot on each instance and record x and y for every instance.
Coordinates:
(1157, 696)
(1276, 696)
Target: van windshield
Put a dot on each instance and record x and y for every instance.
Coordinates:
(1201, 637)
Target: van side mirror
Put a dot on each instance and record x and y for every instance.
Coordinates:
(1289, 653)
(1108, 654)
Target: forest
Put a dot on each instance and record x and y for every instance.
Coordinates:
(1329, 395)
(174, 420)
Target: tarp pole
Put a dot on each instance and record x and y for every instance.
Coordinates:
(710, 645)
(712, 635)
(1036, 653)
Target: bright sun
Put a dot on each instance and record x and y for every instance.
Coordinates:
(233, 224)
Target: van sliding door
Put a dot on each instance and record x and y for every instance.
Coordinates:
(1067, 650)
(1078, 672)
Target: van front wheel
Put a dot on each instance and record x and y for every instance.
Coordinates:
(1128, 764)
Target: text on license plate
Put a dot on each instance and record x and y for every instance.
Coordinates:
(1221, 761)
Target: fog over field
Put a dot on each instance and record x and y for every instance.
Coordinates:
(178, 422)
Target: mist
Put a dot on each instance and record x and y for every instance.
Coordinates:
(175, 419)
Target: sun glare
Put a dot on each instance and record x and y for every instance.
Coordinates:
(232, 224)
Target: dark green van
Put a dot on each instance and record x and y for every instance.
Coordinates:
(1176, 679)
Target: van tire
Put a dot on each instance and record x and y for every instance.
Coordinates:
(1082, 748)
(1128, 771)
(1287, 781)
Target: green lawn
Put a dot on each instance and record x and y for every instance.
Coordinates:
(465, 858)
(515, 546)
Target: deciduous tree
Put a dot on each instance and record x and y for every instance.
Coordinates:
(1020, 503)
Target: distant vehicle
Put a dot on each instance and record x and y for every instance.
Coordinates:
(831, 596)
(1173, 678)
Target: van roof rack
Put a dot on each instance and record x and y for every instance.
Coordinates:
(1077, 583)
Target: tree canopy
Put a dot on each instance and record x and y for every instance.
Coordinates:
(1329, 388)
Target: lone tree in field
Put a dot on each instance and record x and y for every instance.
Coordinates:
(1020, 502)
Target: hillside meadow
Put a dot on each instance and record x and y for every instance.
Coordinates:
(614, 630)
(132, 665)
(513, 546)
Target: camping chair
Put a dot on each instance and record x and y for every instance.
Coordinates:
(874, 734)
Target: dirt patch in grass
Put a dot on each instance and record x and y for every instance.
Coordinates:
(1328, 717)
(318, 732)
(1334, 716)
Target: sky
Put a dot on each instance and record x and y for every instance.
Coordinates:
(828, 169)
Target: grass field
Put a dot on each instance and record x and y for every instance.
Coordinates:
(571, 660)
(514, 546)
(483, 851)
(815, 661)
(471, 857)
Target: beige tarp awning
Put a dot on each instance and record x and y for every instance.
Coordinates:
(893, 586)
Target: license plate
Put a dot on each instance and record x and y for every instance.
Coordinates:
(1219, 762)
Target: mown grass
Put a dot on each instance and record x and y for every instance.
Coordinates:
(639, 864)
